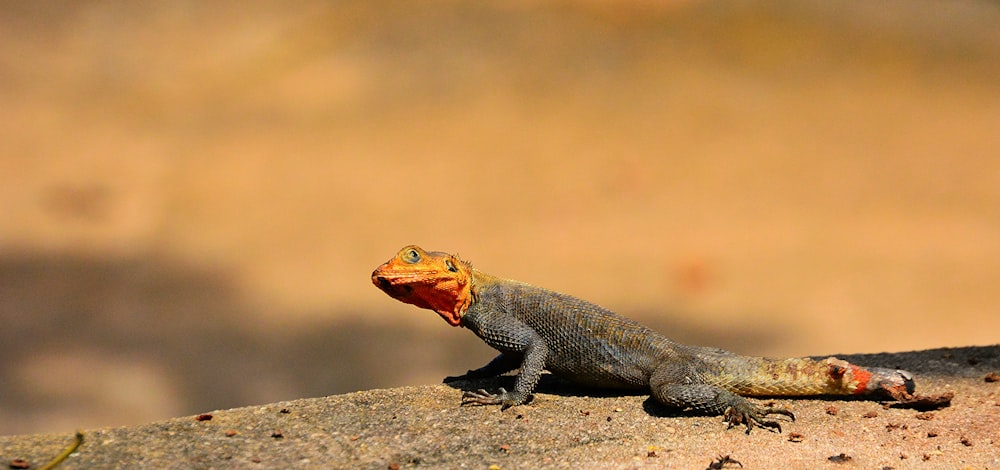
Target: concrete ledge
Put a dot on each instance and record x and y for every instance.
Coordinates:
(563, 427)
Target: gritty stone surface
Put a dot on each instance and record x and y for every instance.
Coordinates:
(563, 427)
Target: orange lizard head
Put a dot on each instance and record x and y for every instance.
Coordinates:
(432, 280)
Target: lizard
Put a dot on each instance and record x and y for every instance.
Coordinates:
(536, 329)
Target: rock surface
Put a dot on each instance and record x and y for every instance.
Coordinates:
(563, 427)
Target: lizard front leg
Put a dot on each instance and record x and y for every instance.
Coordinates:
(527, 378)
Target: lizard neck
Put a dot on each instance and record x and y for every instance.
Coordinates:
(450, 299)
(479, 280)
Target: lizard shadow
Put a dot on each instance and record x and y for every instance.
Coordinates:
(549, 384)
(553, 385)
(654, 408)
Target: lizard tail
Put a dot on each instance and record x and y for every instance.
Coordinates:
(807, 377)
(897, 384)
(857, 380)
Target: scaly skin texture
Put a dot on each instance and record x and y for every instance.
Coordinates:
(537, 329)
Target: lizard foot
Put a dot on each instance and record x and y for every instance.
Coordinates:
(751, 415)
(481, 397)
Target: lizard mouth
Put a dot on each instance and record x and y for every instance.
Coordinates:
(394, 290)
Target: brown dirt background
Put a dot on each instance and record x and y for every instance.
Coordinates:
(194, 194)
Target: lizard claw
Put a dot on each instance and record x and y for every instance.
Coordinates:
(482, 397)
(751, 415)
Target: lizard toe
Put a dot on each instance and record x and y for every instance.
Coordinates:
(780, 411)
(769, 425)
(482, 397)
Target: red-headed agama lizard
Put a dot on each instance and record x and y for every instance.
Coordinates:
(537, 329)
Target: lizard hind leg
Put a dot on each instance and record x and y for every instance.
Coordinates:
(679, 388)
(736, 410)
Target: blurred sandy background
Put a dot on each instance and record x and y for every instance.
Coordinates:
(194, 194)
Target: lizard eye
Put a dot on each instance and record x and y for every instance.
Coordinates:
(451, 266)
(411, 256)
